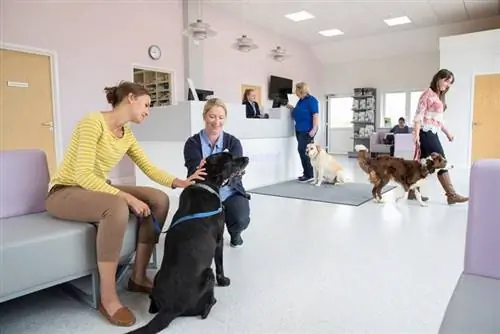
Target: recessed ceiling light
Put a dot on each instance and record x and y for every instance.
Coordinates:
(396, 21)
(331, 32)
(299, 16)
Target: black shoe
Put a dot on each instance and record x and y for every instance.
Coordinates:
(305, 179)
(236, 241)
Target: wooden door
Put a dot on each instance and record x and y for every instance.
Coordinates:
(486, 117)
(26, 119)
(258, 93)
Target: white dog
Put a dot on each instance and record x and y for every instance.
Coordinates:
(325, 166)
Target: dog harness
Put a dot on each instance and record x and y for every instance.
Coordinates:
(191, 216)
(200, 214)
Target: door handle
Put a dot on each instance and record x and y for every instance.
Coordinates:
(49, 125)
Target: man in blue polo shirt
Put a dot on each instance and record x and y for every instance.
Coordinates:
(306, 117)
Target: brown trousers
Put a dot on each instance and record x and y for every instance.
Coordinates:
(110, 212)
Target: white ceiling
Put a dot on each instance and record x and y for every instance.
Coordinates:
(355, 18)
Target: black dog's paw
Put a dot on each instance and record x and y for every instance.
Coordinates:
(223, 281)
(208, 308)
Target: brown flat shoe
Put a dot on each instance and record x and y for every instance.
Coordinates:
(123, 317)
(134, 287)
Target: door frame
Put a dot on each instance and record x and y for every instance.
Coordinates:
(158, 69)
(54, 69)
(327, 121)
(471, 120)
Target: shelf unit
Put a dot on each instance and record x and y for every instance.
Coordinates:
(158, 83)
(364, 107)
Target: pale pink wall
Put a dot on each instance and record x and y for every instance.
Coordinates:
(226, 69)
(96, 45)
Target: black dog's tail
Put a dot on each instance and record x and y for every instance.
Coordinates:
(160, 321)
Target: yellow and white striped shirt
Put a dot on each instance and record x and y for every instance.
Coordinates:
(94, 150)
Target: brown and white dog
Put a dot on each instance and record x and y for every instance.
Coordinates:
(407, 173)
(325, 166)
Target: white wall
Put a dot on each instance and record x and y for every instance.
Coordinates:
(400, 73)
(466, 56)
(271, 161)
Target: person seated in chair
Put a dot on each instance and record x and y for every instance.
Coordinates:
(81, 193)
(401, 127)
(212, 139)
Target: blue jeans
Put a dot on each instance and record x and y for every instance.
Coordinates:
(303, 139)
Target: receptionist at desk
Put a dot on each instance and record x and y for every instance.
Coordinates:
(251, 105)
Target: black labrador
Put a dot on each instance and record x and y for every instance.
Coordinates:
(184, 284)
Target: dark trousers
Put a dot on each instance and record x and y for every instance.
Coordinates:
(237, 212)
(430, 143)
(303, 139)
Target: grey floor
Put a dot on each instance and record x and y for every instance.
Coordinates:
(308, 267)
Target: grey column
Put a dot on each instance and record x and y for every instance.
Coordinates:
(193, 54)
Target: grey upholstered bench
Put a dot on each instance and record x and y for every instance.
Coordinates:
(474, 307)
(38, 251)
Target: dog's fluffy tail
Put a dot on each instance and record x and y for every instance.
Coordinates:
(160, 321)
(363, 157)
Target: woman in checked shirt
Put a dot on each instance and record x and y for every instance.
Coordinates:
(429, 121)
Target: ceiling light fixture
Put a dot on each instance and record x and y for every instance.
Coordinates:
(299, 16)
(331, 32)
(396, 21)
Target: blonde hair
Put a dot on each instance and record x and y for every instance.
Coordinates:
(214, 102)
(302, 87)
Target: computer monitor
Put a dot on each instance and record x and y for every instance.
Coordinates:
(202, 94)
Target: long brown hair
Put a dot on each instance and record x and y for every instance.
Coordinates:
(245, 94)
(441, 74)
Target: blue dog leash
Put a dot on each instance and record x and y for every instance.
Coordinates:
(155, 222)
(188, 217)
(200, 214)
(195, 216)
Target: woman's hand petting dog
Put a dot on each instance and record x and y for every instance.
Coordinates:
(202, 163)
(197, 175)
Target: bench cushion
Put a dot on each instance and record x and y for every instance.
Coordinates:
(24, 182)
(38, 251)
(474, 307)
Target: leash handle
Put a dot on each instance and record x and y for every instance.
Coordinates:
(153, 219)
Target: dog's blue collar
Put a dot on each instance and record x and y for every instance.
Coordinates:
(200, 214)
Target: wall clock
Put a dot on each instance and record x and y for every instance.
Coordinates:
(154, 52)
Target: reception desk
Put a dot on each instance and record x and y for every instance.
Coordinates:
(269, 143)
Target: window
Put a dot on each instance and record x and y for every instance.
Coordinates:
(394, 107)
(340, 112)
(414, 97)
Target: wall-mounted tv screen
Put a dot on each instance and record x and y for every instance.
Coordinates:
(279, 87)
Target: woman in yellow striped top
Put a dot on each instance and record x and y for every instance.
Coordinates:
(79, 191)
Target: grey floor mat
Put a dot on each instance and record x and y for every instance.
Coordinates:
(353, 194)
